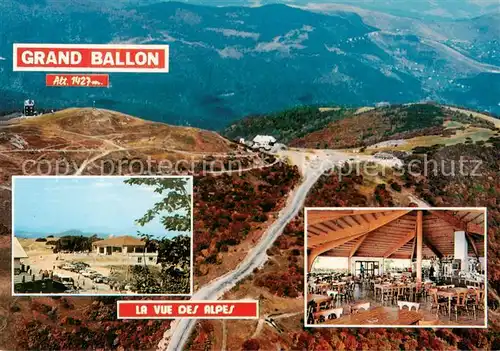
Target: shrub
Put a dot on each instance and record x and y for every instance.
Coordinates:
(395, 186)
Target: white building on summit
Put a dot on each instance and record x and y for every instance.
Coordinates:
(263, 141)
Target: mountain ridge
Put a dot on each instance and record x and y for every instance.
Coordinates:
(230, 62)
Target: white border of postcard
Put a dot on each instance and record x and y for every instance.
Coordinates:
(191, 284)
(485, 209)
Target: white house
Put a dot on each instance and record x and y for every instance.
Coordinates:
(19, 254)
(126, 247)
(263, 141)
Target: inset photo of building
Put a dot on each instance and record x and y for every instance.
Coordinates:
(93, 235)
(396, 267)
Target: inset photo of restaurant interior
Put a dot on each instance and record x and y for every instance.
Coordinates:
(396, 267)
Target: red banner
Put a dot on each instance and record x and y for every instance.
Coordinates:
(144, 309)
(91, 58)
(77, 80)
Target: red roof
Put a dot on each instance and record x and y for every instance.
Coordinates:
(120, 241)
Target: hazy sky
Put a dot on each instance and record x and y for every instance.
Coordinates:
(102, 205)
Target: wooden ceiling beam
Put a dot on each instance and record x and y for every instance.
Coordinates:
(414, 250)
(431, 246)
(457, 223)
(318, 216)
(400, 244)
(342, 241)
(477, 216)
(355, 220)
(323, 241)
(471, 242)
(313, 253)
(358, 244)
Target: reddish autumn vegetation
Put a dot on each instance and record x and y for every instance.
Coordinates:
(392, 339)
(395, 122)
(251, 345)
(202, 338)
(334, 191)
(383, 196)
(228, 207)
(57, 324)
(288, 283)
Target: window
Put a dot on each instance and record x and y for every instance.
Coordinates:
(370, 268)
(139, 259)
(151, 258)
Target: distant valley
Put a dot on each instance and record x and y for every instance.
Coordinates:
(232, 62)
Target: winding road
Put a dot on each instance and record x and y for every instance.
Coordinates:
(176, 337)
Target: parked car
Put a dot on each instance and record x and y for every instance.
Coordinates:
(98, 279)
(67, 281)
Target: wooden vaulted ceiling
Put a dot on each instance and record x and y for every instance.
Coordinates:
(392, 233)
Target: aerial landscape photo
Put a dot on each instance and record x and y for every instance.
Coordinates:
(113, 248)
(269, 107)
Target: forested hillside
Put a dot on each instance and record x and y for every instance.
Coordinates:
(287, 125)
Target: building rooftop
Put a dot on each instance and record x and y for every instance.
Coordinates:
(18, 250)
(126, 240)
(264, 139)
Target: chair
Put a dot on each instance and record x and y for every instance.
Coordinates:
(477, 301)
(324, 305)
(420, 292)
(350, 291)
(408, 304)
(347, 293)
(334, 294)
(311, 310)
(460, 303)
(400, 293)
(436, 302)
(427, 286)
(388, 295)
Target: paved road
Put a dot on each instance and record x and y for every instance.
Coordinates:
(176, 337)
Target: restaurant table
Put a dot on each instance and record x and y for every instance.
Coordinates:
(379, 316)
(382, 287)
(450, 293)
